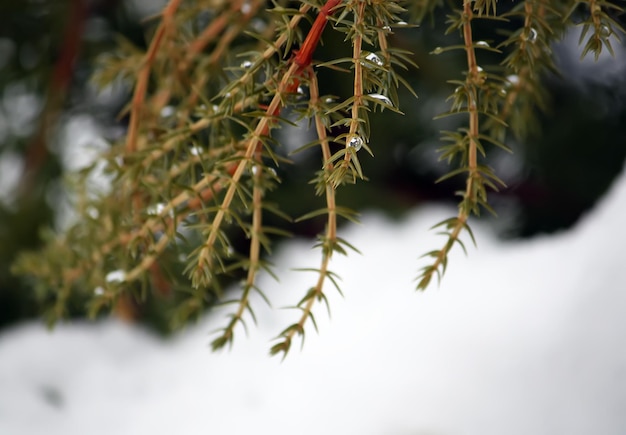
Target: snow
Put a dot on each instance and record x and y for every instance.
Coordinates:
(523, 337)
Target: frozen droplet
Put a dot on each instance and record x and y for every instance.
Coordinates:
(98, 291)
(255, 169)
(502, 92)
(227, 95)
(372, 58)
(272, 171)
(329, 100)
(437, 50)
(387, 28)
(479, 69)
(382, 98)
(246, 8)
(483, 44)
(115, 276)
(355, 142)
(513, 80)
(458, 89)
(215, 108)
(246, 64)
(532, 35)
(301, 91)
(195, 150)
(156, 209)
(605, 31)
(402, 23)
(167, 111)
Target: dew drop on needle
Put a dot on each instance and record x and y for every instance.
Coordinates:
(355, 142)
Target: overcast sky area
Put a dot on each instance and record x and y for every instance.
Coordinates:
(522, 337)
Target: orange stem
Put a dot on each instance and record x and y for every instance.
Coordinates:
(305, 54)
(144, 74)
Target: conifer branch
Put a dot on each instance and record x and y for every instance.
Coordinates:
(529, 58)
(191, 178)
(328, 242)
(205, 259)
(227, 334)
(475, 193)
(144, 74)
(357, 103)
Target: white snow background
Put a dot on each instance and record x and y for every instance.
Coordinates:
(524, 337)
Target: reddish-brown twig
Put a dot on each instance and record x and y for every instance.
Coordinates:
(304, 55)
(144, 74)
(60, 81)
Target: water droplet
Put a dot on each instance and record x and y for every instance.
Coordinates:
(387, 28)
(532, 35)
(355, 142)
(98, 291)
(215, 108)
(258, 25)
(372, 58)
(513, 80)
(382, 98)
(605, 31)
(301, 92)
(92, 212)
(502, 92)
(458, 89)
(329, 100)
(402, 23)
(483, 44)
(246, 8)
(255, 169)
(480, 76)
(246, 64)
(167, 111)
(156, 209)
(115, 276)
(437, 50)
(196, 150)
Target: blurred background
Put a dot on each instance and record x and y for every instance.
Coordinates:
(51, 116)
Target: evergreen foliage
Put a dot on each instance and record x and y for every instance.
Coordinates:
(201, 155)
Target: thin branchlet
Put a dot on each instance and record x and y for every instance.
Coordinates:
(328, 241)
(467, 144)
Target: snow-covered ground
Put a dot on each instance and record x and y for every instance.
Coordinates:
(521, 338)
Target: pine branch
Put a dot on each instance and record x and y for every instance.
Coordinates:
(329, 241)
(194, 171)
(468, 145)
